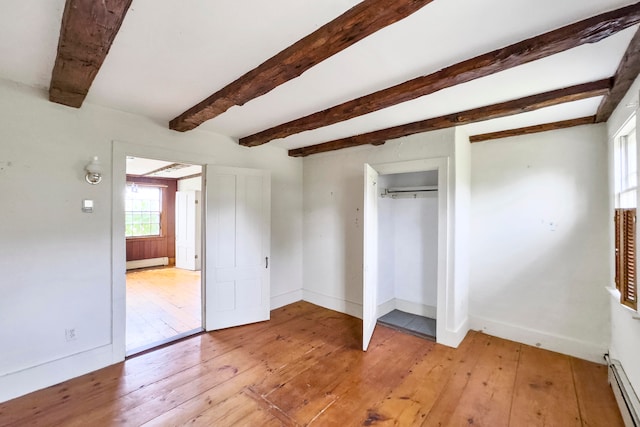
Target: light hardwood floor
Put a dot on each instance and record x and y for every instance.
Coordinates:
(161, 303)
(305, 367)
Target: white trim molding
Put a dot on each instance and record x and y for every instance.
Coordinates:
(593, 352)
(287, 298)
(332, 303)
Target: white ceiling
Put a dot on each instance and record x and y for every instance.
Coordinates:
(170, 55)
(146, 167)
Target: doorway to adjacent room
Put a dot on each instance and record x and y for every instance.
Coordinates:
(163, 227)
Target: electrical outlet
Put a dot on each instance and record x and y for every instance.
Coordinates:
(70, 334)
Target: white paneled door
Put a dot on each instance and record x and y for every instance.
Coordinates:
(188, 230)
(370, 256)
(238, 207)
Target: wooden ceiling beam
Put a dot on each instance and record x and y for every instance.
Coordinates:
(563, 124)
(86, 34)
(503, 109)
(362, 20)
(589, 30)
(626, 73)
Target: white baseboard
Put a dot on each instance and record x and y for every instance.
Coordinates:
(278, 301)
(415, 308)
(451, 337)
(386, 307)
(332, 303)
(558, 343)
(407, 307)
(143, 263)
(19, 383)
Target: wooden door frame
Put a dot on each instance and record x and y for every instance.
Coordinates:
(119, 153)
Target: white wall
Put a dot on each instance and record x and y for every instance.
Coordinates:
(408, 248)
(625, 330)
(539, 240)
(416, 247)
(333, 201)
(190, 184)
(56, 261)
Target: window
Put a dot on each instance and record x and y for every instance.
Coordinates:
(626, 190)
(142, 210)
(626, 170)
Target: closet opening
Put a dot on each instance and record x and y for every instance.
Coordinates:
(408, 252)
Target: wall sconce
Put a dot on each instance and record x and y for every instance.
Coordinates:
(94, 172)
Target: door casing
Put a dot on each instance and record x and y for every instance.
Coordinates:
(444, 323)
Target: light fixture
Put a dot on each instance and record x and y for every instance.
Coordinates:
(94, 171)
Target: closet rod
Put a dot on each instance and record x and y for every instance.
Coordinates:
(408, 192)
(412, 189)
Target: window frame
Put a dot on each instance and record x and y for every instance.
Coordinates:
(162, 207)
(622, 182)
(625, 208)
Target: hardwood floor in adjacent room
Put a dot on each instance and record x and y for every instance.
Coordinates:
(305, 367)
(161, 303)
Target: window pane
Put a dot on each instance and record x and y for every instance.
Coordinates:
(155, 229)
(632, 160)
(142, 211)
(617, 165)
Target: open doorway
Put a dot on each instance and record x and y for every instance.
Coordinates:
(163, 252)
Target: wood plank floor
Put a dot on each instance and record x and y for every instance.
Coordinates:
(161, 303)
(305, 367)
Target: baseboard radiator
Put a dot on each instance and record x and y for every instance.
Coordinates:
(144, 263)
(625, 396)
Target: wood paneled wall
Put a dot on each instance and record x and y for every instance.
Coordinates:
(165, 245)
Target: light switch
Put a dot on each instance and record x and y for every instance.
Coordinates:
(87, 206)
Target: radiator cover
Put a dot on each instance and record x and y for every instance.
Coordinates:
(624, 393)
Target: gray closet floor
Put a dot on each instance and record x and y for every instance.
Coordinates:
(410, 323)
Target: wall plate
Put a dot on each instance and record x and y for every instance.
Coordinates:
(87, 206)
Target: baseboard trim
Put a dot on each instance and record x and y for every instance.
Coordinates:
(386, 307)
(407, 307)
(332, 303)
(415, 308)
(287, 298)
(28, 380)
(558, 343)
(451, 337)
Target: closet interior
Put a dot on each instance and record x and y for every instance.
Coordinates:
(408, 252)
